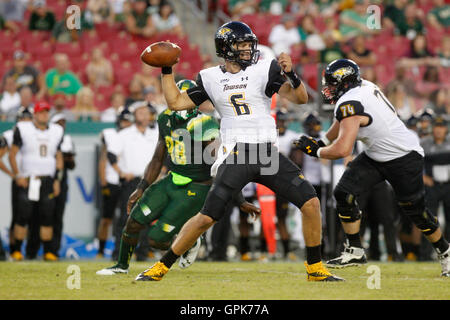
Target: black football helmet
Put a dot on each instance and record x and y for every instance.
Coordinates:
(339, 76)
(229, 34)
(312, 124)
(123, 114)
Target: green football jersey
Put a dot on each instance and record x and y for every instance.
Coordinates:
(185, 142)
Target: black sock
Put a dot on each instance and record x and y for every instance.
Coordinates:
(263, 245)
(441, 245)
(169, 258)
(47, 246)
(17, 245)
(285, 244)
(243, 245)
(101, 246)
(354, 240)
(313, 254)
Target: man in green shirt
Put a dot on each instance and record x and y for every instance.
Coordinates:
(60, 79)
(179, 196)
(439, 16)
(354, 21)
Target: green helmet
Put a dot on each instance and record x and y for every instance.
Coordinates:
(184, 85)
(203, 128)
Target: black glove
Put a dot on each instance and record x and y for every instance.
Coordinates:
(309, 145)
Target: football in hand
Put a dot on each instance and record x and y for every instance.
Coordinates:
(161, 54)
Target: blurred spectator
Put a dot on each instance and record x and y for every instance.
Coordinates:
(134, 92)
(238, 8)
(109, 114)
(84, 109)
(26, 75)
(401, 76)
(440, 101)
(369, 74)
(154, 101)
(165, 20)
(284, 35)
(138, 21)
(360, 54)
(146, 76)
(60, 78)
(437, 170)
(419, 54)
(26, 101)
(41, 18)
(444, 52)
(99, 70)
(100, 10)
(301, 8)
(439, 16)
(429, 83)
(309, 34)
(403, 104)
(118, 8)
(13, 10)
(412, 25)
(394, 14)
(332, 49)
(332, 26)
(424, 123)
(354, 21)
(60, 107)
(10, 101)
(62, 34)
(275, 7)
(154, 5)
(327, 8)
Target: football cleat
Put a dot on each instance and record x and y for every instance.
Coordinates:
(352, 256)
(189, 256)
(246, 257)
(154, 273)
(17, 256)
(48, 256)
(317, 272)
(112, 271)
(444, 259)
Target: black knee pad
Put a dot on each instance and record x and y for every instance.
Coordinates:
(419, 215)
(216, 201)
(346, 206)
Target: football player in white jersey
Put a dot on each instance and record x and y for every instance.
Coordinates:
(109, 177)
(38, 178)
(392, 153)
(241, 91)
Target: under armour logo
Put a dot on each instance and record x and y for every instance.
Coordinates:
(244, 78)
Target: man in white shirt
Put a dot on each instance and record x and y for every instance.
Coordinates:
(283, 36)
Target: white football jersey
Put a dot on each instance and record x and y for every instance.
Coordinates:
(108, 137)
(38, 148)
(242, 100)
(285, 141)
(8, 135)
(385, 137)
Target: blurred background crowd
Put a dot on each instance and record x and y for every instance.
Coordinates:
(90, 71)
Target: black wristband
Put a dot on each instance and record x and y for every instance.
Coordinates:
(143, 184)
(166, 70)
(294, 79)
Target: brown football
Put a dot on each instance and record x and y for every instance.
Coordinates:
(161, 54)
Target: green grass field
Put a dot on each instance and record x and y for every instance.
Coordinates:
(221, 281)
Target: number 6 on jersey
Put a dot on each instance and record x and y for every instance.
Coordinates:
(240, 107)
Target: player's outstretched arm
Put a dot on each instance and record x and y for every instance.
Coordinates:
(293, 90)
(175, 100)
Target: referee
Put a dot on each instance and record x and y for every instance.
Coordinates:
(130, 154)
(38, 178)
